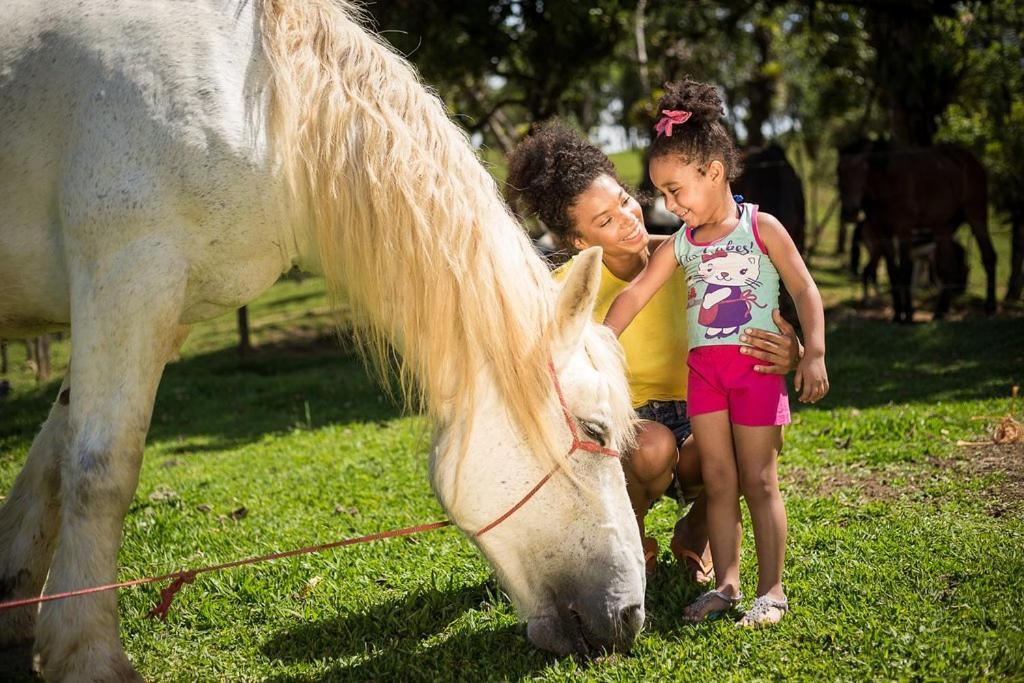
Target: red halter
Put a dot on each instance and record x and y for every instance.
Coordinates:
(577, 445)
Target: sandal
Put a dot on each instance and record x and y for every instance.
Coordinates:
(757, 616)
(650, 546)
(699, 604)
(702, 573)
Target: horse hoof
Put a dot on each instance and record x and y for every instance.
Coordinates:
(89, 665)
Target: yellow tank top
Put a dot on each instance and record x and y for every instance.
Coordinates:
(655, 342)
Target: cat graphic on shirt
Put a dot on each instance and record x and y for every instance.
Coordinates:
(726, 304)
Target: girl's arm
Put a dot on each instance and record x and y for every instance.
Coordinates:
(638, 292)
(811, 377)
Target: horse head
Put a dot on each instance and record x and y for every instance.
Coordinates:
(569, 555)
(852, 171)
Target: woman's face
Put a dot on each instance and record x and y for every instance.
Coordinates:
(606, 216)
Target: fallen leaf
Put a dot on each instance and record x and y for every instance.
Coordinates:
(163, 493)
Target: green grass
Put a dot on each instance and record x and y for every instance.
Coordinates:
(905, 561)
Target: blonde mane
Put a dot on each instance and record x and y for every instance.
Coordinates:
(412, 233)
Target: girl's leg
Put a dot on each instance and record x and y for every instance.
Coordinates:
(713, 436)
(757, 451)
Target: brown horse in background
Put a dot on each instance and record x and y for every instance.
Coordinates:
(770, 181)
(923, 193)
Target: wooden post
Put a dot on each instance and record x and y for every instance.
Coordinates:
(244, 345)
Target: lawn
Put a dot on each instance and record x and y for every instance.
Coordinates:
(906, 551)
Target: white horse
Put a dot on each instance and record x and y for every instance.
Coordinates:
(163, 162)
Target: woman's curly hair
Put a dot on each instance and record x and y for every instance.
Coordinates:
(703, 138)
(548, 171)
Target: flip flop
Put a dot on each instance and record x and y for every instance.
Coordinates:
(650, 555)
(685, 554)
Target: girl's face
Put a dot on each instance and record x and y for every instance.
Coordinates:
(689, 194)
(606, 216)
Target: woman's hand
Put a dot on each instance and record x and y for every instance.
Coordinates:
(782, 351)
(811, 379)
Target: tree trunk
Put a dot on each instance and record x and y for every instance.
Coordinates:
(640, 34)
(41, 355)
(761, 89)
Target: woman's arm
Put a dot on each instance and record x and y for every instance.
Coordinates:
(638, 292)
(811, 378)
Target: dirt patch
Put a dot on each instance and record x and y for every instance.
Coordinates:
(1005, 493)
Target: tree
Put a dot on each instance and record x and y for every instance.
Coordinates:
(506, 64)
(989, 114)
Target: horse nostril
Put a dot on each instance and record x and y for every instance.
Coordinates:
(632, 616)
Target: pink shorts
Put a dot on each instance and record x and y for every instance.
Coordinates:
(722, 378)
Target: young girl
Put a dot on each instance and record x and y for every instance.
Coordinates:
(733, 257)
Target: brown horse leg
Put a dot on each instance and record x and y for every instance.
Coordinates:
(888, 251)
(944, 265)
(1013, 290)
(977, 217)
(905, 265)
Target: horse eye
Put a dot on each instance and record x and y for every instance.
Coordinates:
(594, 431)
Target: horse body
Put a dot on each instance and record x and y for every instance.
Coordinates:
(910, 195)
(115, 149)
(770, 181)
(164, 162)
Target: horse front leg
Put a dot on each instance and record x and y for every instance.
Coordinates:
(1013, 289)
(977, 217)
(124, 319)
(905, 270)
(28, 527)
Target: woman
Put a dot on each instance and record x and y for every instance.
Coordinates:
(572, 187)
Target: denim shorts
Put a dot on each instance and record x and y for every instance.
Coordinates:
(672, 414)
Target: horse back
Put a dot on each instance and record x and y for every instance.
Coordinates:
(120, 115)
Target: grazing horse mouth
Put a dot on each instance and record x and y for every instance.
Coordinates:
(583, 644)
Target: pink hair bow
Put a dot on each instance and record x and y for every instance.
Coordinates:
(672, 117)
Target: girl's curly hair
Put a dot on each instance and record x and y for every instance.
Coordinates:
(703, 138)
(548, 172)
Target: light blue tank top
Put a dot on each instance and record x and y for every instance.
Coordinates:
(731, 283)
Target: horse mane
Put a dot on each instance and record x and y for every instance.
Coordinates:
(413, 237)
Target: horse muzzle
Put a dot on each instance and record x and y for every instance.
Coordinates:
(587, 628)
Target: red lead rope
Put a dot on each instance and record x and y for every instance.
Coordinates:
(186, 576)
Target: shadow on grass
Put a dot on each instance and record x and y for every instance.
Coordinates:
(393, 635)
(874, 362)
(225, 400)
(221, 400)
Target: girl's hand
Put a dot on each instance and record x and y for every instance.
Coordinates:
(811, 378)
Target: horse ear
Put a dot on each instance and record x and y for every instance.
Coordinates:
(575, 305)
